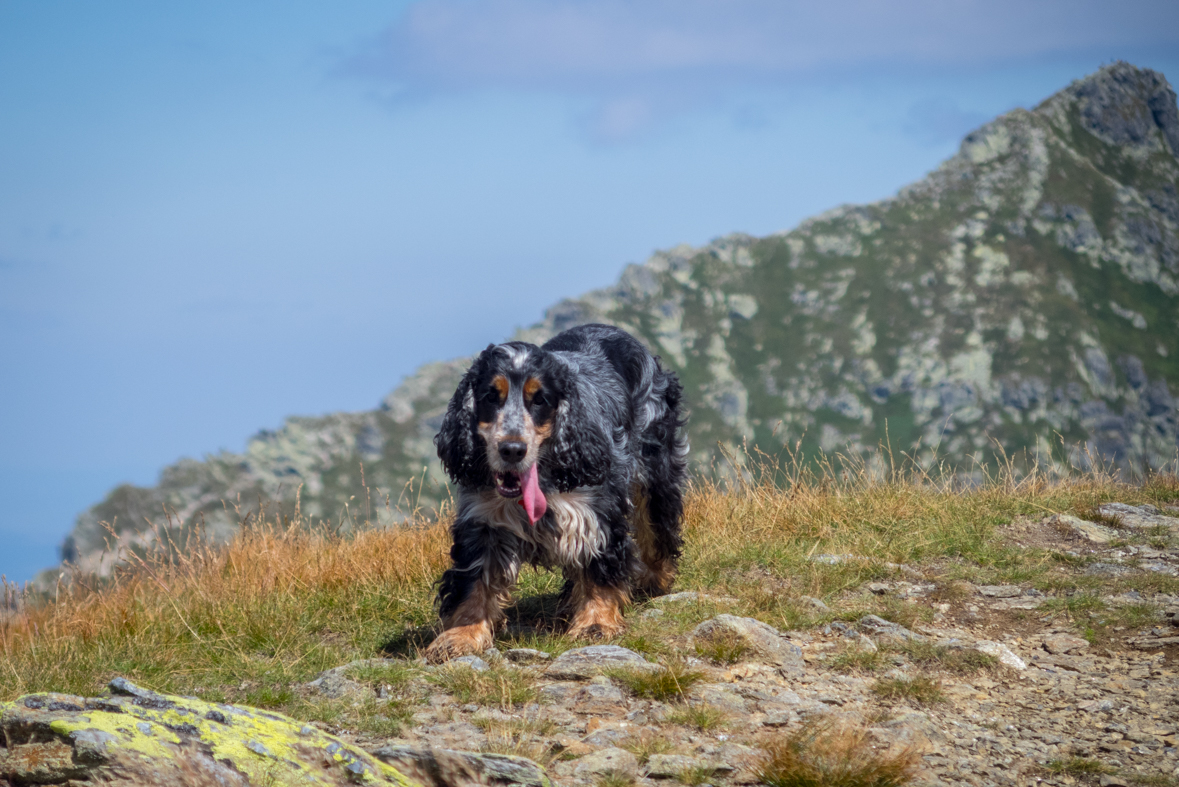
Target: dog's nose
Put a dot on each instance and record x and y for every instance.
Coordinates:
(512, 451)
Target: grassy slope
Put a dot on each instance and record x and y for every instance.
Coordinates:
(251, 621)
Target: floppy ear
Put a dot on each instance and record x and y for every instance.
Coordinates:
(459, 446)
(580, 454)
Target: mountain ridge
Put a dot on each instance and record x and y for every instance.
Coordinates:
(1027, 288)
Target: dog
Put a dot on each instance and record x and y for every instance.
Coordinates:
(569, 455)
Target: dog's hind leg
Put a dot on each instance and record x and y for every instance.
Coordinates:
(595, 610)
(597, 592)
(659, 546)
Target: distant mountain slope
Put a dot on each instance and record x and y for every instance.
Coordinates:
(1024, 293)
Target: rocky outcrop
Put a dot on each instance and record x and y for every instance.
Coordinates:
(136, 736)
(1024, 297)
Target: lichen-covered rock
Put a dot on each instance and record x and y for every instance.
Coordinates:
(141, 737)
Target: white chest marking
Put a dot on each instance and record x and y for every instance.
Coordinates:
(568, 535)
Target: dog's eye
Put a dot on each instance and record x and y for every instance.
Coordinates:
(491, 396)
(541, 399)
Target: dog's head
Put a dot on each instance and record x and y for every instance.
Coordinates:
(517, 423)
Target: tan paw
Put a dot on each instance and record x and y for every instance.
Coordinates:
(595, 629)
(459, 641)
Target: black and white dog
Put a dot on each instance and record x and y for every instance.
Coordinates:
(571, 455)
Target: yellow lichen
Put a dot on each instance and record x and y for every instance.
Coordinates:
(266, 747)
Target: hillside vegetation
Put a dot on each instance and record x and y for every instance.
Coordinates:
(283, 601)
(813, 553)
(1023, 297)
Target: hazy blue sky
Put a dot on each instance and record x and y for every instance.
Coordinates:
(216, 215)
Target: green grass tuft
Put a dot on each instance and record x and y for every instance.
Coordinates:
(668, 684)
(698, 715)
(920, 689)
(500, 686)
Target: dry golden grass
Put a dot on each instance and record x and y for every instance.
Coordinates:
(271, 607)
(835, 756)
(249, 621)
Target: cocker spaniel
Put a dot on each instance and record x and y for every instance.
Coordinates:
(572, 455)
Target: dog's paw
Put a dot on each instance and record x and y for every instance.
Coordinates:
(595, 630)
(460, 641)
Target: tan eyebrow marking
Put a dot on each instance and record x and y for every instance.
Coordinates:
(531, 387)
(500, 384)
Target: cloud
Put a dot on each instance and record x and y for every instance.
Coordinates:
(639, 57)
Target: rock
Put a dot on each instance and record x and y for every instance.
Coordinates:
(814, 603)
(333, 683)
(1000, 591)
(474, 662)
(1003, 653)
(1083, 528)
(584, 663)
(886, 629)
(1113, 780)
(1137, 517)
(612, 761)
(605, 737)
(718, 695)
(446, 768)
(1059, 644)
(761, 641)
(780, 718)
(832, 560)
(600, 696)
(526, 655)
(1150, 643)
(1102, 569)
(671, 766)
(147, 738)
(878, 588)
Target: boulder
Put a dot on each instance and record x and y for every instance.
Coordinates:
(584, 663)
(886, 629)
(1083, 528)
(447, 768)
(137, 736)
(1137, 517)
(1003, 653)
(762, 642)
(1059, 644)
(604, 762)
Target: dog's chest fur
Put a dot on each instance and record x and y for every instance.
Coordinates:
(568, 535)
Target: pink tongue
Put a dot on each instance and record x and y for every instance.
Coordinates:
(531, 497)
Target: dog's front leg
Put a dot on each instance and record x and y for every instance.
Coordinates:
(472, 594)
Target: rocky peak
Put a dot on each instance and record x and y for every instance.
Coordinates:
(1126, 106)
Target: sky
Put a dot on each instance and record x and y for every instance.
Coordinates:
(217, 215)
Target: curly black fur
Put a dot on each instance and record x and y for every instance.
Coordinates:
(603, 422)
